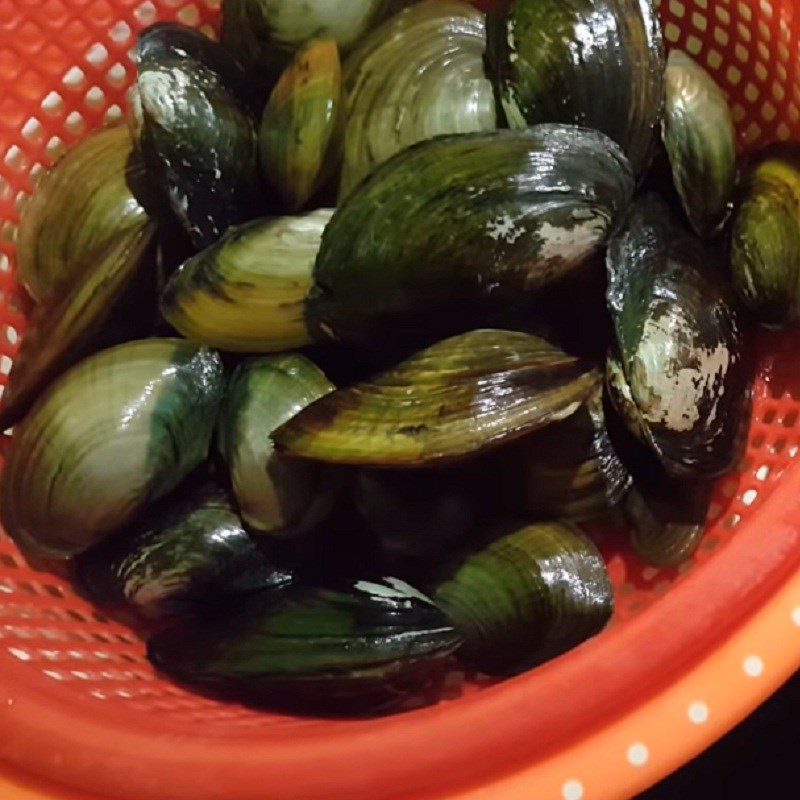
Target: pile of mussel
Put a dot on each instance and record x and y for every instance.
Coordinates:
(370, 307)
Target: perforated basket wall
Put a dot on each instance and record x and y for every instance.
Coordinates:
(81, 708)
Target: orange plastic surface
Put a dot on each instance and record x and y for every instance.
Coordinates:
(690, 651)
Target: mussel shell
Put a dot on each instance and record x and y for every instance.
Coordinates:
(297, 140)
(419, 75)
(667, 515)
(197, 137)
(84, 201)
(189, 547)
(597, 63)
(528, 596)
(464, 222)
(263, 34)
(115, 432)
(276, 495)
(569, 470)
(418, 514)
(765, 242)
(457, 398)
(366, 646)
(112, 300)
(698, 133)
(247, 292)
(680, 344)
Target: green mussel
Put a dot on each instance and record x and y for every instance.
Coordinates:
(698, 133)
(569, 470)
(115, 432)
(189, 547)
(83, 202)
(263, 34)
(297, 139)
(597, 63)
(667, 516)
(418, 514)
(110, 301)
(417, 76)
(530, 595)
(456, 398)
(680, 344)
(765, 243)
(493, 215)
(196, 135)
(276, 495)
(247, 292)
(367, 646)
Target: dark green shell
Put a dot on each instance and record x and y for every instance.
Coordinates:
(368, 646)
(464, 222)
(528, 596)
(680, 344)
(188, 547)
(196, 134)
(597, 63)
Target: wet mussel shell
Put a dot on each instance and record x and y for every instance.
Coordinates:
(456, 398)
(765, 240)
(87, 199)
(276, 495)
(461, 223)
(247, 292)
(597, 63)
(700, 139)
(530, 595)
(366, 646)
(109, 302)
(680, 344)
(114, 433)
(417, 76)
(196, 135)
(188, 548)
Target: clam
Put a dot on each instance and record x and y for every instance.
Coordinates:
(465, 222)
(529, 595)
(297, 139)
(418, 514)
(597, 63)
(196, 135)
(419, 75)
(366, 646)
(765, 249)
(701, 142)
(117, 431)
(263, 34)
(456, 398)
(569, 470)
(247, 292)
(190, 546)
(82, 203)
(109, 301)
(680, 344)
(276, 495)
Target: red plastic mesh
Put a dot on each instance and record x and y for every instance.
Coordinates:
(65, 69)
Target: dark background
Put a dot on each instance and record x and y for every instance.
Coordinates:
(758, 759)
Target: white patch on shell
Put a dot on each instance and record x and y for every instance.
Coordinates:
(159, 93)
(504, 227)
(674, 395)
(392, 588)
(571, 245)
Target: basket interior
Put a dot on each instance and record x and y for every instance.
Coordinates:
(64, 70)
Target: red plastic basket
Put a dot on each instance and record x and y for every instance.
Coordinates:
(689, 653)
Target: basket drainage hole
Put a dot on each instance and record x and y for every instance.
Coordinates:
(769, 416)
(8, 561)
(749, 497)
(790, 419)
